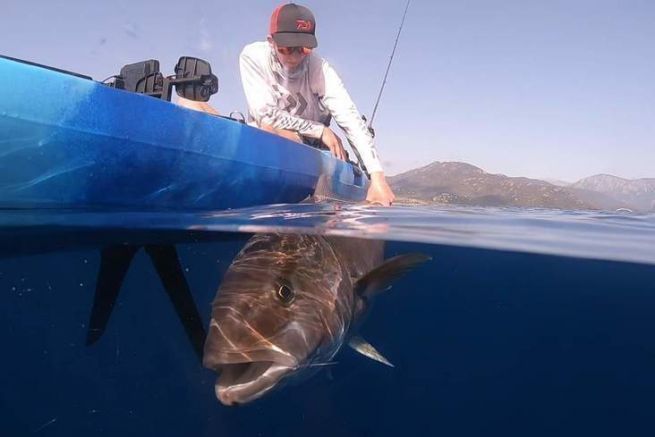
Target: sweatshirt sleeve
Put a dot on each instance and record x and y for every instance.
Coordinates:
(337, 100)
(262, 104)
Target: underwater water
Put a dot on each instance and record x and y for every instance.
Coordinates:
(524, 322)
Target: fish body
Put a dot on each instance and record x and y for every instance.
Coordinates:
(286, 305)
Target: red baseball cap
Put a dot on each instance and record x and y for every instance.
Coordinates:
(293, 25)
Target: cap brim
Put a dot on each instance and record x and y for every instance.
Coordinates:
(294, 39)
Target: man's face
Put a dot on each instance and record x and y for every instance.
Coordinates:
(289, 57)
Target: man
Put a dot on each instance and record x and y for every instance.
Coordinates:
(293, 92)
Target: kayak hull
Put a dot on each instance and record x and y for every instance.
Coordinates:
(70, 142)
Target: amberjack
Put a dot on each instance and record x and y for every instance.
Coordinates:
(287, 304)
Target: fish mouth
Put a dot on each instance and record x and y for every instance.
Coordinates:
(240, 383)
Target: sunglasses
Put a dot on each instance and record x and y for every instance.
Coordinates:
(291, 50)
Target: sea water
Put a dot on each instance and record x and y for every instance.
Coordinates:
(525, 322)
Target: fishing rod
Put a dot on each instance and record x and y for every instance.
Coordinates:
(384, 81)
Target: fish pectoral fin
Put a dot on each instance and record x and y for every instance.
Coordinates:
(365, 348)
(380, 278)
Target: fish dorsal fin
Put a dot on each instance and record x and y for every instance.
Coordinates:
(380, 278)
(365, 348)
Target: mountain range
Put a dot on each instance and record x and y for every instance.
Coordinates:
(465, 184)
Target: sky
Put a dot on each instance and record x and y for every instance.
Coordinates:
(550, 89)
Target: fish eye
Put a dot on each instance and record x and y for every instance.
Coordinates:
(285, 294)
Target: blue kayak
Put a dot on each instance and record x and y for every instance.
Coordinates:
(70, 142)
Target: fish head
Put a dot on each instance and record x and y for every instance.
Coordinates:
(283, 304)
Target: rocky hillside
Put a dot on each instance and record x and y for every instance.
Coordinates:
(465, 184)
(637, 193)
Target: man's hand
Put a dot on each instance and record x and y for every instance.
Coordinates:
(333, 143)
(379, 191)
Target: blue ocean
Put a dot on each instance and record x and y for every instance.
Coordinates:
(523, 323)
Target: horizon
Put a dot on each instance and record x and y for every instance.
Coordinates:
(559, 90)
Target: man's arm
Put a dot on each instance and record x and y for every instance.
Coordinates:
(337, 100)
(198, 106)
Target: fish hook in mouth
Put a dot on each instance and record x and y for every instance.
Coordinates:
(240, 383)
